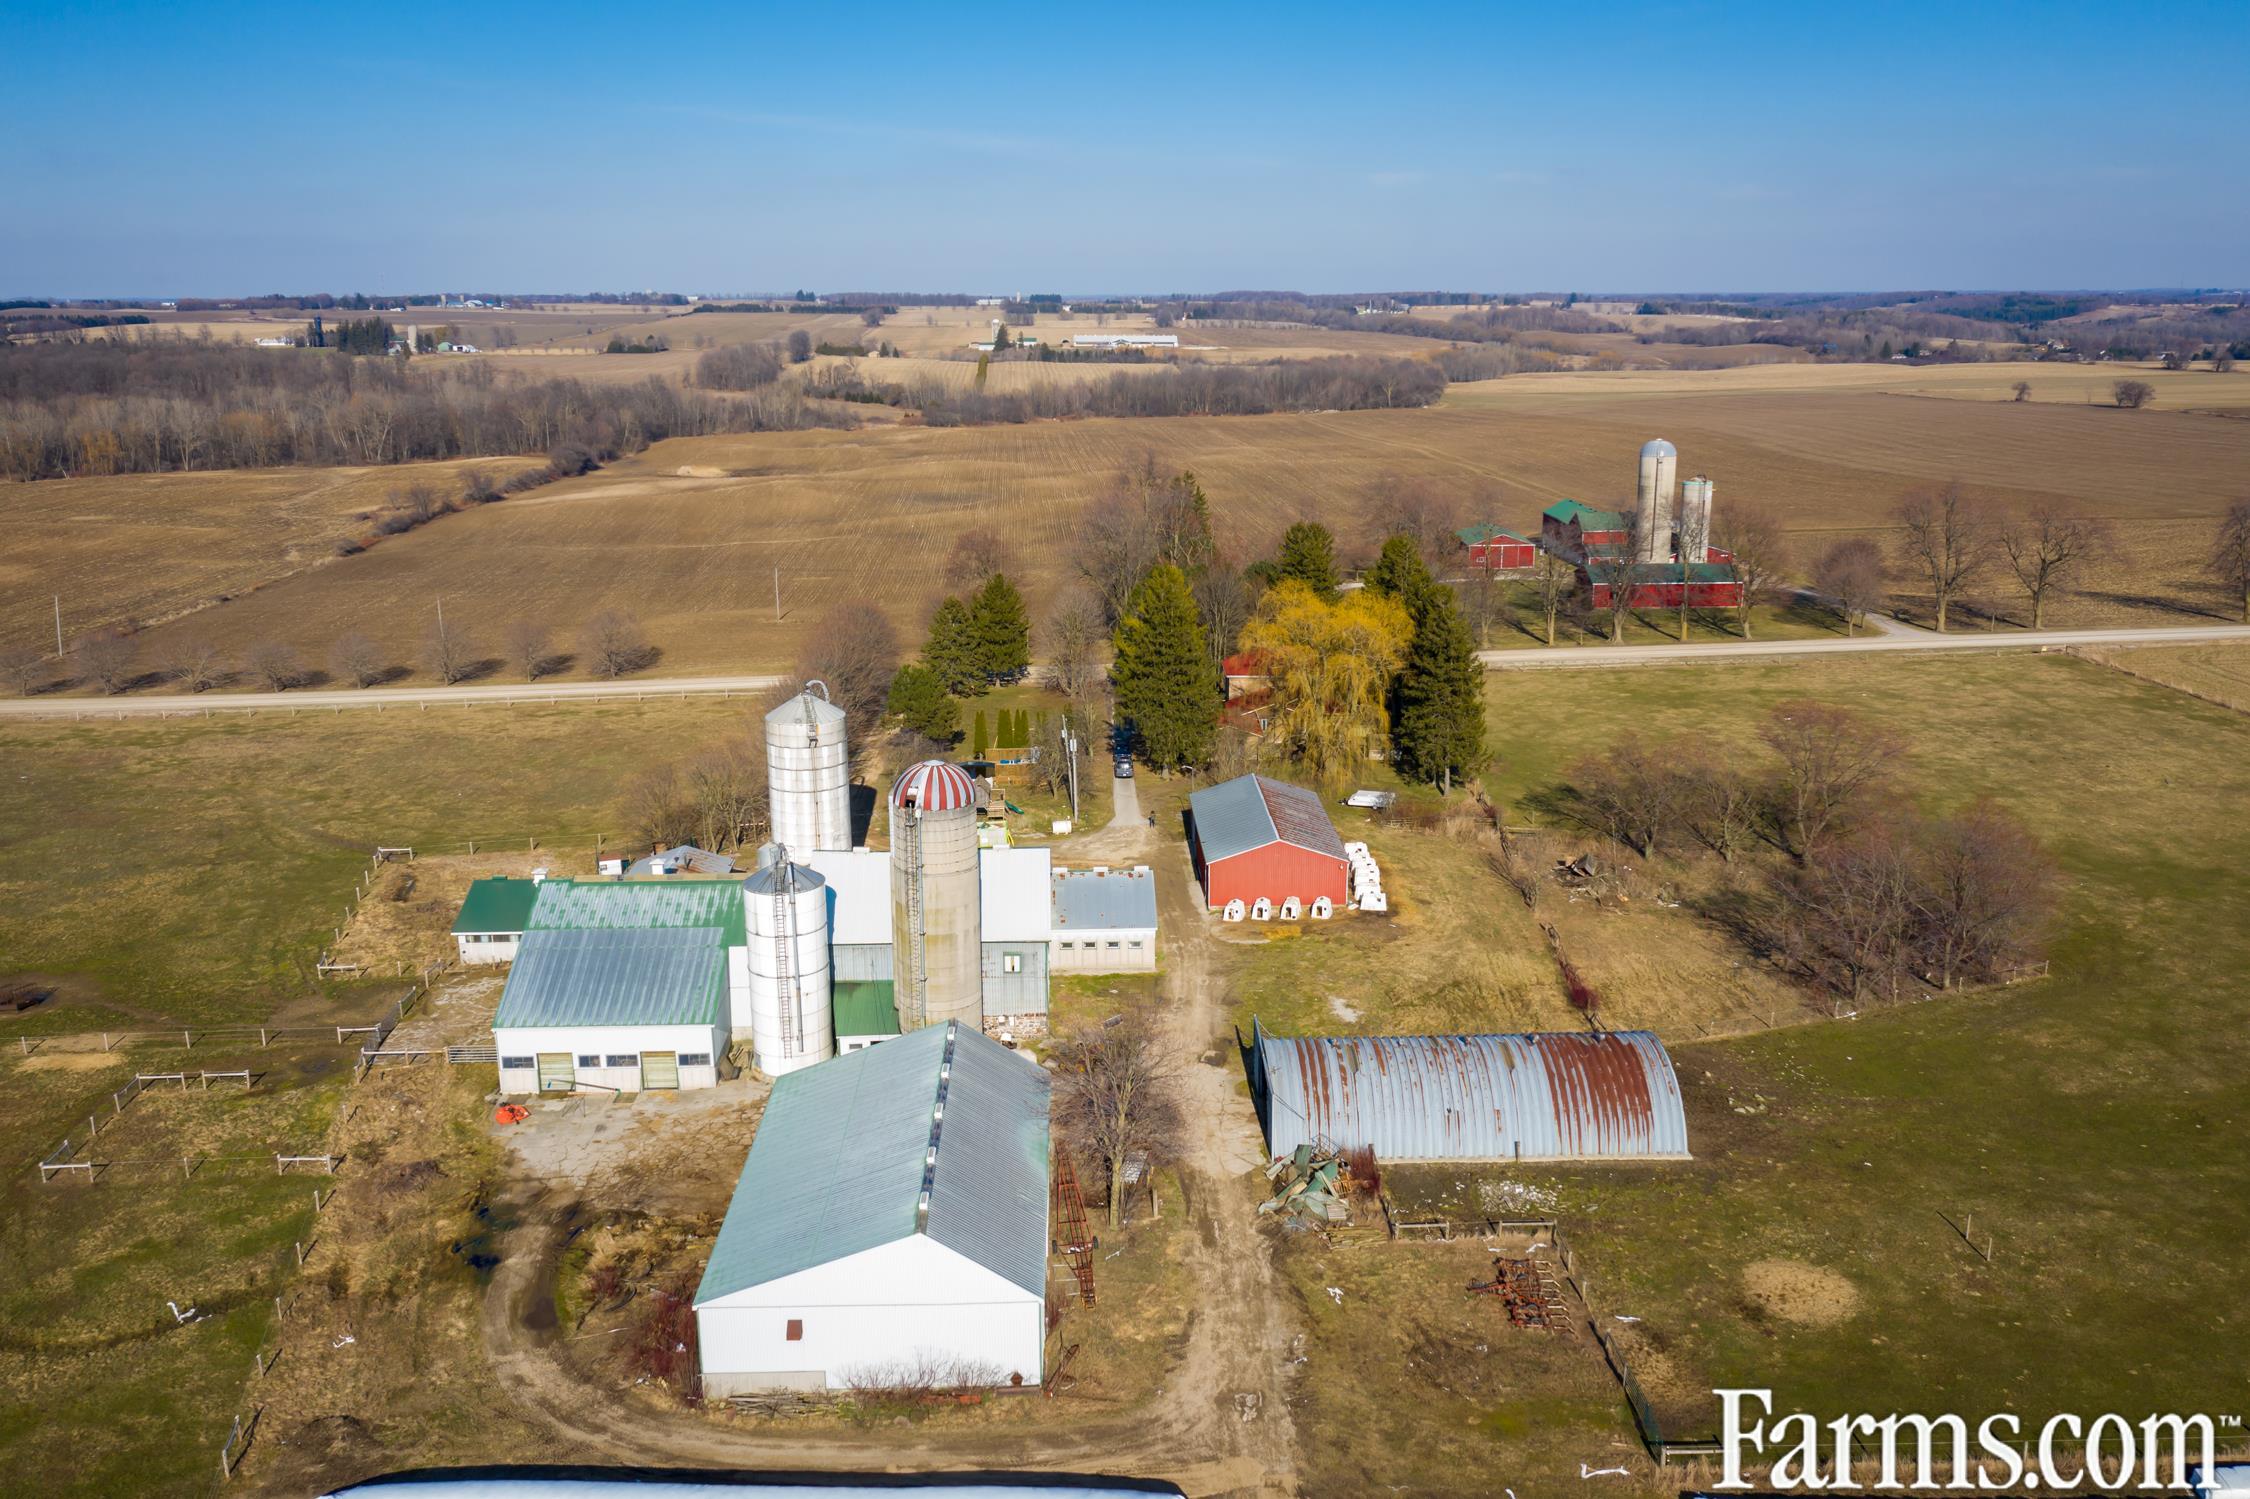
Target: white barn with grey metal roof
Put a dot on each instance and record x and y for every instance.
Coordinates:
(614, 1010)
(891, 1223)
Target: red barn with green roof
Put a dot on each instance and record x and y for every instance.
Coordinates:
(1569, 529)
(1658, 585)
(1496, 550)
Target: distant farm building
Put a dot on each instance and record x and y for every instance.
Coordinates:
(1125, 340)
(1548, 1096)
(1104, 920)
(1256, 837)
(892, 1218)
(493, 919)
(1245, 674)
(684, 858)
(1570, 530)
(1495, 550)
(1659, 585)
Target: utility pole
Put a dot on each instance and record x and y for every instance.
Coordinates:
(441, 616)
(58, 627)
(1070, 748)
(777, 593)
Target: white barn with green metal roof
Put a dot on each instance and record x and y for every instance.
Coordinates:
(891, 1223)
(614, 1011)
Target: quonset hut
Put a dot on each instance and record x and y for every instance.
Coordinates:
(1541, 1096)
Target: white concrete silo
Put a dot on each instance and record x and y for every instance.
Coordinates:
(809, 773)
(792, 1014)
(1695, 518)
(936, 903)
(1652, 507)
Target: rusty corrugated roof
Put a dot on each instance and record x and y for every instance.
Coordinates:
(1538, 1096)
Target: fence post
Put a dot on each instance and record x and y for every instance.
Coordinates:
(300, 1251)
(187, 1040)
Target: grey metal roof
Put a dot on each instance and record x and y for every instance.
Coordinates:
(1250, 812)
(839, 1164)
(1539, 1096)
(783, 878)
(1089, 902)
(672, 977)
(806, 709)
(684, 857)
(640, 905)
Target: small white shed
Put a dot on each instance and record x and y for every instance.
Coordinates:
(1105, 920)
(890, 1225)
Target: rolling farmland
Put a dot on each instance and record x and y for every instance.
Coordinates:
(688, 534)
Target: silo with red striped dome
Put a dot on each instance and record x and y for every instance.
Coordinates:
(936, 915)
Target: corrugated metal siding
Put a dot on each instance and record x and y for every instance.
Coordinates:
(1089, 902)
(837, 1165)
(1250, 812)
(616, 978)
(1020, 993)
(1300, 819)
(862, 960)
(1276, 871)
(1531, 1097)
(640, 905)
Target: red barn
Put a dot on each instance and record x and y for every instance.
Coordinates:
(1256, 837)
(1496, 550)
(1658, 585)
(1568, 529)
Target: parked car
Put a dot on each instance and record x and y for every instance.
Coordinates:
(1124, 767)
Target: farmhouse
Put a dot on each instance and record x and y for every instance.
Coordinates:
(1570, 530)
(616, 1010)
(1659, 585)
(1125, 340)
(493, 919)
(1245, 673)
(1253, 837)
(1104, 920)
(1540, 1096)
(1496, 550)
(892, 1217)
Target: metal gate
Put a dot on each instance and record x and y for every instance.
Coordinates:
(555, 1074)
(660, 1069)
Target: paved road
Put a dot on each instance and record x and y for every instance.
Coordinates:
(161, 703)
(1894, 639)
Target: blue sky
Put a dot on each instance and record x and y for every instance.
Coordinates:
(219, 149)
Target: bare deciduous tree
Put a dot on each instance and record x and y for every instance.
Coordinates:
(1117, 1095)
(24, 669)
(1629, 794)
(1983, 897)
(106, 658)
(1418, 507)
(2048, 548)
(529, 647)
(977, 554)
(1850, 578)
(2023, 390)
(1072, 640)
(1142, 519)
(1946, 541)
(2132, 395)
(724, 791)
(275, 664)
(1226, 600)
(800, 346)
(614, 644)
(192, 662)
(1831, 759)
(1754, 534)
(355, 659)
(1552, 582)
(449, 652)
(854, 651)
(1717, 800)
(2230, 555)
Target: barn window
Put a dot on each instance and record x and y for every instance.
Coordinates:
(1111, 946)
(525, 1062)
(1069, 947)
(796, 1333)
(624, 1059)
(1011, 962)
(586, 1061)
(695, 1059)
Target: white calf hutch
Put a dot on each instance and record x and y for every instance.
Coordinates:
(890, 1225)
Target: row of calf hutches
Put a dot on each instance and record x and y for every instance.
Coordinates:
(646, 978)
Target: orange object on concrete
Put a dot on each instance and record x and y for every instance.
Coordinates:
(510, 1113)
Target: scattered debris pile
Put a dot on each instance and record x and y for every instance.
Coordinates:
(1316, 1186)
(1528, 1292)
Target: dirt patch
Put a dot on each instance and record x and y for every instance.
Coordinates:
(69, 1061)
(1797, 1292)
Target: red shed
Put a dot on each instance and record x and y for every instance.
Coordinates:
(1256, 837)
(1657, 585)
(1496, 550)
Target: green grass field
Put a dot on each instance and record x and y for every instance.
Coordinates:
(2094, 1124)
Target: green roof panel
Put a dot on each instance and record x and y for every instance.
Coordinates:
(1563, 512)
(865, 1007)
(664, 904)
(498, 904)
(635, 977)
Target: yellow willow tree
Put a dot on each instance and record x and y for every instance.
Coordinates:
(1331, 666)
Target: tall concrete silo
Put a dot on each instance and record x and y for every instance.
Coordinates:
(1695, 518)
(1652, 507)
(792, 1004)
(809, 773)
(936, 915)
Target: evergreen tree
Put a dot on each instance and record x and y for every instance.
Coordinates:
(918, 700)
(1400, 572)
(1308, 554)
(980, 737)
(1438, 725)
(952, 650)
(1001, 628)
(1165, 686)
